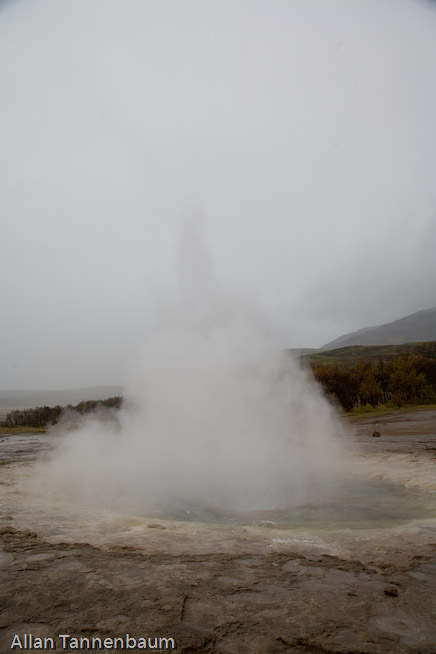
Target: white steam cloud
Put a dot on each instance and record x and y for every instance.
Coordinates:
(214, 414)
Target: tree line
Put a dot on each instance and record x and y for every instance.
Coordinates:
(42, 416)
(405, 380)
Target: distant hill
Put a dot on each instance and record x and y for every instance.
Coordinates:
(27, 399)
(416, 328)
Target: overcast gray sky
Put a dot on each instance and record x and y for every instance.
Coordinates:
(304, 130)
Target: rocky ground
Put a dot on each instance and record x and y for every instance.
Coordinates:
(215, 588)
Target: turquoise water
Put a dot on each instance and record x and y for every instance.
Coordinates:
(355, 504)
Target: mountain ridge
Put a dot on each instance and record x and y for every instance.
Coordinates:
(416, 327)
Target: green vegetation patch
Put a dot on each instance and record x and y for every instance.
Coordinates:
(361, 378)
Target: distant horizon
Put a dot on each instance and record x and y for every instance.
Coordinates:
(55, 390)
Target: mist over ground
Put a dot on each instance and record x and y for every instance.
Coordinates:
(214, 416)
(304, 129)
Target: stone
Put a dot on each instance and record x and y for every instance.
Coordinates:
(391, 591)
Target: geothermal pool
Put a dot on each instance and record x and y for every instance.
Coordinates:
(368, 496)
(352, 504)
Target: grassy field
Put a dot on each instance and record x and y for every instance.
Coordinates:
(22, 430)
(382, 409)
(353, 354)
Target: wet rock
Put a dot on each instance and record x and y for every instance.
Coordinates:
(42, 556)
(414, 632)
(5, 558)
(6, 619)
(155, 526)
(251, 562)
(419, 575)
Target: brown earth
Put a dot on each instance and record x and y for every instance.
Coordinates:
(215, 588)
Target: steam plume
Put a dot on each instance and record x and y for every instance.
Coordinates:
(214, 413)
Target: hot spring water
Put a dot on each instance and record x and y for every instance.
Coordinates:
(353, 504)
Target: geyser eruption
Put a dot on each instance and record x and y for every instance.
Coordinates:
(214, 415)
